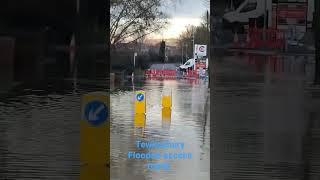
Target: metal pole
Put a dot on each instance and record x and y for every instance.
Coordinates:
(316, 29)
(134, 61)
(193, 50)
(231, 6)
(165, 53)
(78, 6)
(208, 21)
(77, 40)
(182, 53)
(134, 66)
(265, 20)
(208, 49)
(186, 50)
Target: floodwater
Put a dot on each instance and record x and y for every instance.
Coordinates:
(266, 118)
(39, 129)
(189, 124)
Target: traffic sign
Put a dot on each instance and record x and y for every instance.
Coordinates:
(201, 50)
(140, 97)
(96, 112)
(95, 128)
(140, 102)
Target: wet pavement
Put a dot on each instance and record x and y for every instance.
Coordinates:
(266, 118)
(190, 124)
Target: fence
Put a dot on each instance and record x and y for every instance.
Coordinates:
(274, 39)
(160, 73)
(170, 73)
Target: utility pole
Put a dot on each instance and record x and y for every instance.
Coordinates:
(316, 31)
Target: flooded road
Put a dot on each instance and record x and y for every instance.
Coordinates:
(266, 118)
(40, 131)
(190, 124)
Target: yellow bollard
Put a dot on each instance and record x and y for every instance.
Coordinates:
(166, 114)
(166, 109)
(95, 128)
(166, 118)
(140, 102)
(139, 120)
(96, 172)
(167, 100)
(139, 124)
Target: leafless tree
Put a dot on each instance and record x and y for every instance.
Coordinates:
(206, 3)
(131, 20)
(201, 35)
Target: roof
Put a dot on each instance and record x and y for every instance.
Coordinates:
(163, 66)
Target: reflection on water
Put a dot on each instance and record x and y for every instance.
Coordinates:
(187, 121)
(266, 118)
(39, 130)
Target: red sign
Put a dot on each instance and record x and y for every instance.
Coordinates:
(295, 11)
(292, 14)
(200, 65)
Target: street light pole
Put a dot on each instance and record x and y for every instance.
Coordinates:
(134, 64)
(76, 41)
(265, 20)
(182, 53)
(134, 61)
(186, 50)
(193, 50)
(208, 52)
(316, 29)
(78, 6)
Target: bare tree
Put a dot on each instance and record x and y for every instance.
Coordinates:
(131, 20)
(201, 35)
(185, 40)
(206, 3)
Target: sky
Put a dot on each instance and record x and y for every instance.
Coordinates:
(185, 12)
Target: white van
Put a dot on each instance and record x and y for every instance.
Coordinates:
(187, 65)
(247, 9)
(256, 9)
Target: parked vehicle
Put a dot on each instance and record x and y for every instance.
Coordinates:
(187, 65)
(256, 9)
(248, 9)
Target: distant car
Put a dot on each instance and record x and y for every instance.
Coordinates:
(188, 65)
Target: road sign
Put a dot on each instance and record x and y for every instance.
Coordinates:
(201, 50)
(96, 112)
(95, 128)
(140, 102)
(140, 97)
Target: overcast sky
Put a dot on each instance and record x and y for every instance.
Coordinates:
(184, 13)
